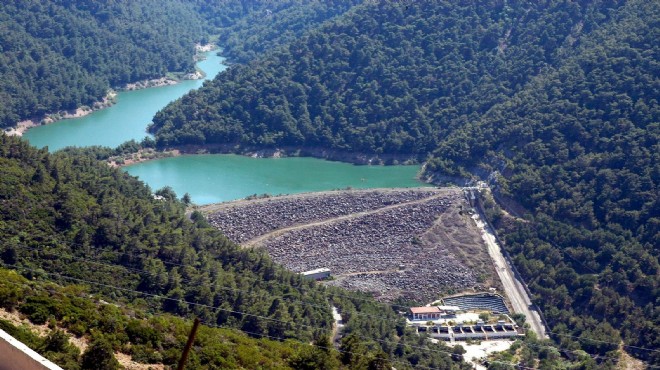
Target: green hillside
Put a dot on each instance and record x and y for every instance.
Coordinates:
(73, 311)
(384, 78)
(579, 149)
(60, 55)
(555, 102)
(271, 24)
(70, 219)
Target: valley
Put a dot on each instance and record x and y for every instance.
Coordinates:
(117, 228)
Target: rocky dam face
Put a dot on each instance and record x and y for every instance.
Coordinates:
(415, 244)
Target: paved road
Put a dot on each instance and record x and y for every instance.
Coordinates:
(513, 287)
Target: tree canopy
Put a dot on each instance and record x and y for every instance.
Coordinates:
(554, 102)
(60, 55)
(70, 219)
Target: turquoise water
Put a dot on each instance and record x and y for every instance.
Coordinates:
(126, 120)
(210, 178)
(219, 178)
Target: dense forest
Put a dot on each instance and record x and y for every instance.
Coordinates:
(554, 102)
(60, 55)
(579, 148)
(70, 219)
(125, 328)
(266, 27)
(387, 77)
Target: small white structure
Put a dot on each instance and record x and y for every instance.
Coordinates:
(318, 274)
(425, 313)
(431, 312)
(15, 355)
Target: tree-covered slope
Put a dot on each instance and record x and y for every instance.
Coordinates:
(71, 219)
(57, 54)
(60, 55)
(579, 148)
(386, 77)
(74, 312)
(73, 207)
(275, 23)
(559, 98)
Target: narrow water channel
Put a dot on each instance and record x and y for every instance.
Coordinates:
(126, 120)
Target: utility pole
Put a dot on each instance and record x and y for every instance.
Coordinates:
(186, 349)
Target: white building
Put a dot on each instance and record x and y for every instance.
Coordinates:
(318, 274)
(431, 312)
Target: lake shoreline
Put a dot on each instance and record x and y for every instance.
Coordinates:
(356, 158)
(21, 127)
(213, 178)
(111, 97)
(141, 156)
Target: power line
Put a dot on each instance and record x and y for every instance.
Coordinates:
(313, 344)
(604, 341)
(226, 310)
(231, 311)
(305, 343)
(231, 289)
(595, 356)
(224, 326)
(289, 322)
(565, 350)
(219, 326)
(168, 262)
(288, 299)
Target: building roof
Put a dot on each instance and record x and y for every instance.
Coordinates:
(317, 271)
(429, 309)
(449, 308)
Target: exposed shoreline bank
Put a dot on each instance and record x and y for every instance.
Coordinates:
(111, 97)
(150, 154)
(22, 126)
(357, 158)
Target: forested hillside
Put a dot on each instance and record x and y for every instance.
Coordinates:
(71, 219)
(73, 311)
(60, 55)
(387, 77)
(275, 23)
(579, 148)
(557, 100)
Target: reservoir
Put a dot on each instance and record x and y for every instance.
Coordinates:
(125, 120)
(209, 178)
(220, 178)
